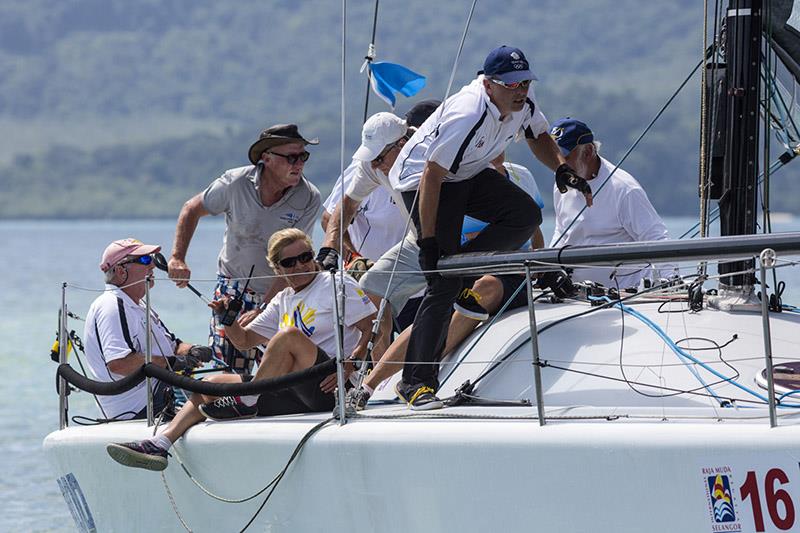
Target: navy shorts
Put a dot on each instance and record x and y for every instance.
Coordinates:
(511, 283)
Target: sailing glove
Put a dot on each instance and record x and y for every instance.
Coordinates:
(328, 258)
(203, 353)
(568, 178)
(429, 254)
(179, 363)
(558, 282)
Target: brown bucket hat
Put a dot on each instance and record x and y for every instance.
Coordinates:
(276, 136)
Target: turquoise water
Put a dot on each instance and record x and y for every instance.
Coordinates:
(43, 255)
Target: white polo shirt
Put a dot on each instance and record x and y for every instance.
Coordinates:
(621, 212)
(465, 137)
(379, 222)
(115, 327)
(311, 311)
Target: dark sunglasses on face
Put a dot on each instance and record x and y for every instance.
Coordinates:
(378, 160)
(142, 260)
(289, 262)
(516, 85)
(293, 158)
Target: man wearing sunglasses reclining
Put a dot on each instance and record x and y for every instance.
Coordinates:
(258, 199)
(115, 332)
(298, 329)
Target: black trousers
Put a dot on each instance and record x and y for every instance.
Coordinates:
(512, 216)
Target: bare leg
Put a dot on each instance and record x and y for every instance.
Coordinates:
(490, 291)
(389, 363)
(288, 351)
(384, 331)
(189, 414)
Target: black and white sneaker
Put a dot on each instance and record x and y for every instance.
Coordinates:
(419, 397)
(139, 454)
(228, 408)
(468, 304)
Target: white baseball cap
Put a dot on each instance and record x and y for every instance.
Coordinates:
(379, 130)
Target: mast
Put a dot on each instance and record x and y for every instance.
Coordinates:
(738, 203)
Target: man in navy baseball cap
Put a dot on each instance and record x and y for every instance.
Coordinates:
(569, 133)
(507, 64)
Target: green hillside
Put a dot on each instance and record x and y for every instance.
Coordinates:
(114, 108)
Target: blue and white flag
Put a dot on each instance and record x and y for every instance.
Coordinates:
(390, 78)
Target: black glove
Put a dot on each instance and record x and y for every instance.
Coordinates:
(203, 353)
(558, 282)
(179, 363)
(328, 258)
(566, 177)
(429, 254)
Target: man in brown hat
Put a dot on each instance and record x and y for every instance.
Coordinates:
(258, 200)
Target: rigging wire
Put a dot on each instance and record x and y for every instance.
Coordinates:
(368, 60)
(385, 298)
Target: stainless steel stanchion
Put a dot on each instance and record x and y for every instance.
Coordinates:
(63, 344)
(148, 350)
(337, 301)
(537, 371)
(767, 259)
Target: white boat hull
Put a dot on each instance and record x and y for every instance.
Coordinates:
(609, 459)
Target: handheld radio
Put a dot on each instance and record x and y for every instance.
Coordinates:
(235, 306)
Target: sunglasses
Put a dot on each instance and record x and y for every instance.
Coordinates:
(378, 160)
(293, 158)
(289, 262)
(516, 85)
(141, 260)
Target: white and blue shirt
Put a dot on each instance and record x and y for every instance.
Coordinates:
(464, 136)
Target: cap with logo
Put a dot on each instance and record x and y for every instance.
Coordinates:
(276, 136)
(118, 250)
(507, 64)
(569, 133)
(379, 130)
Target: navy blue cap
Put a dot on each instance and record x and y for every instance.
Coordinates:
(421, 111)
(507, 64)
(569, 133)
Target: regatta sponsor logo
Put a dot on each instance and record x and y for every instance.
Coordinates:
(721, 500)
(291, 218)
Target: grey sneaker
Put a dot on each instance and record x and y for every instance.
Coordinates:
(356, 400)
(140, 454)
(228, 408)
(419, 397)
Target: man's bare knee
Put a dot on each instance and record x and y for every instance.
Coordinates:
(490, 290)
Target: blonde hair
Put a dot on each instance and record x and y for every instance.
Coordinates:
(280, 240)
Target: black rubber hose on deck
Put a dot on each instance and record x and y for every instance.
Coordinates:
(105, 388)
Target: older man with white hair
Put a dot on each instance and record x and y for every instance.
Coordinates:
(116, 331)
(621, 211)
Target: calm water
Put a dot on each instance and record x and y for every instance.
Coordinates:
(42, 255)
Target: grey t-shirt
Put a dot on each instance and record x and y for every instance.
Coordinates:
(249, 224)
